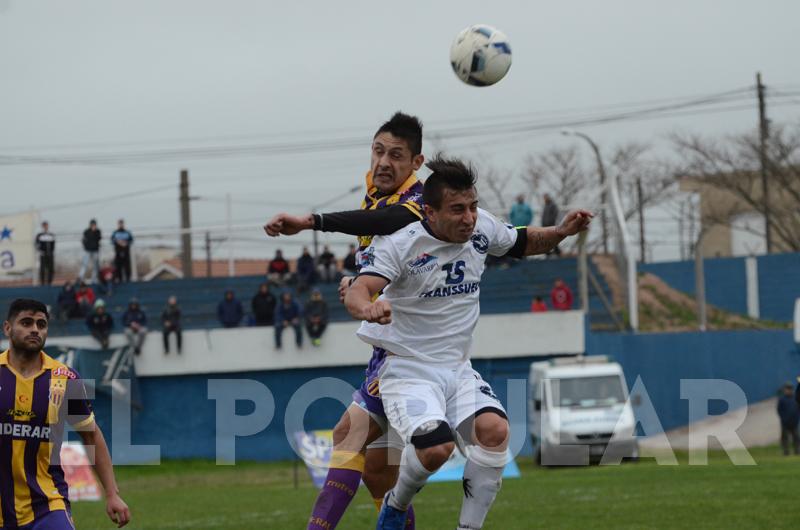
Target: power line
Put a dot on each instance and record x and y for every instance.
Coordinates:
(485, 129)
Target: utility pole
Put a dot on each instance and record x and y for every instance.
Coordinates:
(641, 218)
(763, 129)
(186, 225)
(208, 254)
(681, 243)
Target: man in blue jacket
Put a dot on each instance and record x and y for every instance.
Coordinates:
(229, 311)
(287, 314)
(789, 412)
(135, 322)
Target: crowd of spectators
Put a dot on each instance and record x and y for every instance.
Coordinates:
(561, 299)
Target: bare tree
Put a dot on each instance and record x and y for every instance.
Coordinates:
(732, 166)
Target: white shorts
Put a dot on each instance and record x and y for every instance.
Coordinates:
(415, 393)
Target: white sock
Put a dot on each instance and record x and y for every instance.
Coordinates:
(413, 476)
(481, 484)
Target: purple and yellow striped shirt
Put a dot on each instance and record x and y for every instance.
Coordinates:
(409, 194)
(32, 418)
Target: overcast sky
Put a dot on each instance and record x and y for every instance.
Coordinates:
(110, 76)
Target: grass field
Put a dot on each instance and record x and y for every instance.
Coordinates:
(200, 495)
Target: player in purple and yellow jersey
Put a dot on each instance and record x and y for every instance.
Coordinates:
(38, 396)
(393, 200)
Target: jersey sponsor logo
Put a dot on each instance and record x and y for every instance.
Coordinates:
(21, 413)
(421, 264)
(22, 430)
(480, 242)
(66, 372)
(487, 390)
(366, 257)
(451, 290)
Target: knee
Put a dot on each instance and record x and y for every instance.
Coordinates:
(491, 430)
(432, 458)
(434, 444)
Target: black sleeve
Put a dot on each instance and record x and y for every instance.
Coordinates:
(518, 250)
(380, 222)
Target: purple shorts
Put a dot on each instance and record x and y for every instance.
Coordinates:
(55, 520)
(368, 395)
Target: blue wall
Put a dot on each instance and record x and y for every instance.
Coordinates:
(726, 283)
(179, 417)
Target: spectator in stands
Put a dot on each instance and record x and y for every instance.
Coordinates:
(229, 311)
(100, 323)
(171, 323)
(306, 276)
(327, 265)
(316, 316)
(538, 305)
(135, 322)
(288, 313)
(789, 413)
(46, 245)
(67, 305)
(278, 268)
(521, 214)
(91, 251)
(122, 240)
(84, 298)
(561, 296)
(550, 218)
(263, 306)
(349, 262)
(107, 275)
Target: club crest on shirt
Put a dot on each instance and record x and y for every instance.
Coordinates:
(58, 387)
(480, 242)
(366, 257)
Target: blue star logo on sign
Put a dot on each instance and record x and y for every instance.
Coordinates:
(480, 242)
(5, 233)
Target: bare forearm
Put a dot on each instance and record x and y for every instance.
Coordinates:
(102, 460)
(356, 299)
(542, 239)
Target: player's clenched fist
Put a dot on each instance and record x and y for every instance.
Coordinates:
(288, 225)
(379, 312)
(574, 222)
(344, 283)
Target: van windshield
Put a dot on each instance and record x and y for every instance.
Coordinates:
(586, 392)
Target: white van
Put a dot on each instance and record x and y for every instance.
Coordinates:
(579, 412)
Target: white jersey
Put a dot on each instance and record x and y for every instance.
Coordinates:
(434, 288)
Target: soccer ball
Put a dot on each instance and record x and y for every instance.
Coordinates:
(480, 55)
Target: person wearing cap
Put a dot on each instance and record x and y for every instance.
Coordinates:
(789, 413)
(135, 322)
(91, 251)
(122, 240)
(316, 316)
(100, 323)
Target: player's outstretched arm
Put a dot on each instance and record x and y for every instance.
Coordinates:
(116, 508)
(359, 304)
(379, 222)
(545, 239)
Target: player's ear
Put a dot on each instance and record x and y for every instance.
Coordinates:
(7, 328)
(417, 161)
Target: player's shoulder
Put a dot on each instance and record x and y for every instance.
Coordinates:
(486, 219)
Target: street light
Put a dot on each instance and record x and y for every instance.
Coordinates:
(602, 170)
(624, 252)
(314, 209)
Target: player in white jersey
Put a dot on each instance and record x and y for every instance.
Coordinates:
(429, 273)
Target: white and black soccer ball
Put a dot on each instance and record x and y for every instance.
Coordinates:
(480, 55)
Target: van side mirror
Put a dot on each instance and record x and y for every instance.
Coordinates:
(537, 404)
(636, 400)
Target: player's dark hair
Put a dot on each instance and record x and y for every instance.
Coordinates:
(26, 304)
(409, 128)
(446, 173)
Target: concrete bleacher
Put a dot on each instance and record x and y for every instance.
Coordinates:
(503, 290)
